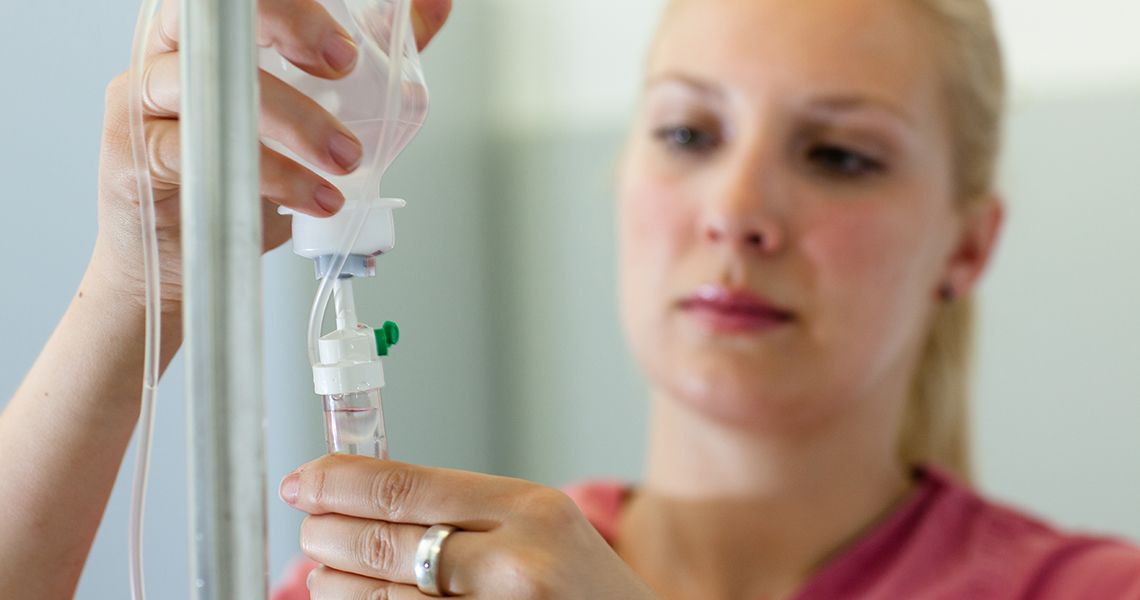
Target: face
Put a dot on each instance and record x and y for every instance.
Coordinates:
(786, 206)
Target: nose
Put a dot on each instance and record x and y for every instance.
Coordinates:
(740, 213)
(753, 238)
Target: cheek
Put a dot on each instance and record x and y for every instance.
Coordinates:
(856, 253)
(655, 230)
(872, 267)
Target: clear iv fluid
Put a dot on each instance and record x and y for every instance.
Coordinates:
(355, 424)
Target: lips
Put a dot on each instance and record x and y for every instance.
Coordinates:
(725, 310)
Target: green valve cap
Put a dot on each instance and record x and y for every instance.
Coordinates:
(386, 337)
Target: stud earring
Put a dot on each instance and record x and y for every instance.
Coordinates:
(947, 293)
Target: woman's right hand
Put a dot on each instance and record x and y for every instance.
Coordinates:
(305, 34)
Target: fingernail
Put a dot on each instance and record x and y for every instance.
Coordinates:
(328, 198)
(290, 487)
(339, 52)
(345, 151)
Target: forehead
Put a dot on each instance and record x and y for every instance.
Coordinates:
(875, 48)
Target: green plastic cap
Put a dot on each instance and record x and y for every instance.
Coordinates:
(386, 337)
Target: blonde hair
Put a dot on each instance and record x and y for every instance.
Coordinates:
(936, 423)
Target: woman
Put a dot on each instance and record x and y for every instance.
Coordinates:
(806, 204)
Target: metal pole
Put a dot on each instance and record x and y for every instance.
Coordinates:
(221, 229)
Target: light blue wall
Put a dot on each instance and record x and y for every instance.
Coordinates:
(1057, 408)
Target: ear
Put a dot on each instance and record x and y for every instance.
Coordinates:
(974, 248)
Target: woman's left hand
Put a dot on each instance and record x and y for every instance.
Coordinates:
(515, 539)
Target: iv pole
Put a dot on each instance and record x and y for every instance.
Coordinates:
(221, 244)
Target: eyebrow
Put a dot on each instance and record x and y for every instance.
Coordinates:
(699, 85)
(831, 102)
(855, 102)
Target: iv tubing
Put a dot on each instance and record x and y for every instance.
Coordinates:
(400, 20)
(151, 360)
(344, 303)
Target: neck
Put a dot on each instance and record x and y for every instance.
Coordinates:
(736, 512)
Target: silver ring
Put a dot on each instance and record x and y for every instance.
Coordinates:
(427, 559)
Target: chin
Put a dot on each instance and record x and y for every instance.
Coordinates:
(745, 396)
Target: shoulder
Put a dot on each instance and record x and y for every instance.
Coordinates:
(947, 541)
(1024, 555)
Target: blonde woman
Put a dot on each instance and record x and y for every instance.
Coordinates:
(806, 205)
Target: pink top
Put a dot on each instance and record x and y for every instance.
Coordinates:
(944, 542)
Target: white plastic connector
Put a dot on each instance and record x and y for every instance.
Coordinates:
(315, 237)
(349, 362)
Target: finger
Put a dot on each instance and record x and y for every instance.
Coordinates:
(164, 153)
(402, 493)
(285, 182)
(302, 31)
(164, 32)
(428, 17)
(387, 551)
(276, 228)
(366, 547)
(161, 86)
(306, 128)
(330, 584)
(287, 116)
(306, 34)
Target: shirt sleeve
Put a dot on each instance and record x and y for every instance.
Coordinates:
(1107, 570)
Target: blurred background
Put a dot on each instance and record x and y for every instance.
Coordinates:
(503, 281)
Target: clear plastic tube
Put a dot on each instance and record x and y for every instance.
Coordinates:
(151, 361)
(354, 424)
(344, 303)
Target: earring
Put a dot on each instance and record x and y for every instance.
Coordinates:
(947, 293)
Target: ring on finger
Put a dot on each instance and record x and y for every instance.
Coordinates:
(428, 558)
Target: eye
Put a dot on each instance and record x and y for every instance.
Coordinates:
(684, 138)
(841, 162)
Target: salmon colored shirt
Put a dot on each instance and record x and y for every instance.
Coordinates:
(945, 542)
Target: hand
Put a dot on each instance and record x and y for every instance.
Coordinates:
(516, 539)
(303, 32)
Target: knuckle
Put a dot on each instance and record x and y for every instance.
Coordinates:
(315, 482)
(533, 589)
(309, 542)
(315, 579)
(377, 549)
(524, 575)
(296, 26)
(509, 563)
(115, 109)
(379, 593)
(161, 151)
(116, 90)
(392, 491)
(148, 103)
(552, 507)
